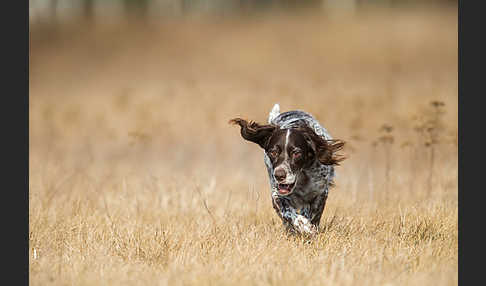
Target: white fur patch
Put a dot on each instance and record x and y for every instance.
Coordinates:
(303, 225)
(274, 113)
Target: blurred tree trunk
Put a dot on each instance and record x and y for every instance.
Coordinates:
(184, 5)
(137, 8)
(53, 11)
(88, 10)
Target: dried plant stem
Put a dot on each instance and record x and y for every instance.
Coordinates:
(431, 169)
(387, 171)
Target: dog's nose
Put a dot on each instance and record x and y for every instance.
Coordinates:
(280, 174)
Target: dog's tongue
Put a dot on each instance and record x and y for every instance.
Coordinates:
(283, 191)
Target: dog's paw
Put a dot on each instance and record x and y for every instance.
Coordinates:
(303, 225)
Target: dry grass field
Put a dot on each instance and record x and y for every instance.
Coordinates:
(136, 178)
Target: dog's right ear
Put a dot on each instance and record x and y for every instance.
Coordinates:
(253, 131)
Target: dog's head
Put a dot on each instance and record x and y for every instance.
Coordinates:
(291, 151)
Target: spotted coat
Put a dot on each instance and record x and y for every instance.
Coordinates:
(301, 210)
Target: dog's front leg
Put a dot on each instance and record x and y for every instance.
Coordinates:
(317, 208)
(293, 221)
(304, 225)
(283, 210)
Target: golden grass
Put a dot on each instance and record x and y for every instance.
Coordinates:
(135, 177)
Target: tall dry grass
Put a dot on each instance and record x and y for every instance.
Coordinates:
(135, 178)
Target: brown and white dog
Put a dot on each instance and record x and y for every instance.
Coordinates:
(300, 156)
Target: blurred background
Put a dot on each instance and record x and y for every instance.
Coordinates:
(136, 177)
(147, 87)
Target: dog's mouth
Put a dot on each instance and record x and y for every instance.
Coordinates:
(285, 189)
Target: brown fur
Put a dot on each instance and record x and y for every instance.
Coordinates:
(326, 150)
(253, 131)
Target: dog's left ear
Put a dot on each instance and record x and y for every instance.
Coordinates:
(328, 154)
(253, 131)
(312, 145)
(324, 150)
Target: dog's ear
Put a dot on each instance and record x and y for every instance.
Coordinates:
(254, 132)
(328, 154)
(326, 151)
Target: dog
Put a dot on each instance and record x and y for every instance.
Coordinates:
(300, 156)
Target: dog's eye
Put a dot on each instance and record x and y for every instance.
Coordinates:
(274, 153)
(296, 154)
